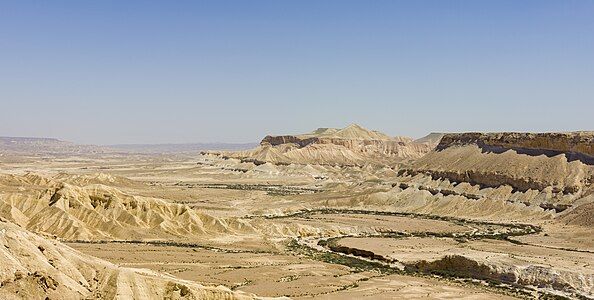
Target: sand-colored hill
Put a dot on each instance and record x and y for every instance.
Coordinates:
(352, 145)
(577, 145)
(72, 209)
(355, 132)
(97, 178)
(97, 211)
(19, 143)
(509, 169)
(582, 214)
(514, 159)
(431, 139)
(37, 268)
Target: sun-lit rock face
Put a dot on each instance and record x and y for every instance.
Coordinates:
(574, 145)
(560, 164)
(352, 145)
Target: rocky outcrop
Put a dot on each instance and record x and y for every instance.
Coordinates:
(287, 139)
(558, 163)
(460, 266)
(387, 146)
(555, 278)
(574, 145)
(352, 145)
(431, 139)
(582, 214)
(101, 212)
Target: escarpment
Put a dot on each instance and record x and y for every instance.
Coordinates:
(349, 143)
(352, 145)
(550, 169)
(574, 145)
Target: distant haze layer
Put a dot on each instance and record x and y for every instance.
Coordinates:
(118, 72)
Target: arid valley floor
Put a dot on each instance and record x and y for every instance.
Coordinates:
(333, 214)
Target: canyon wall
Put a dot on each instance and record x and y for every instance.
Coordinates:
(561, 163)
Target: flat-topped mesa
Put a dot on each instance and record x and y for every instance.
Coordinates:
(348, 137)
(352, 145)
(287, 139)
(555, 163)
(332, 136)
(304, 141)
(575, 145)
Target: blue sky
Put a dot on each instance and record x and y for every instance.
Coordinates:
(232, 71)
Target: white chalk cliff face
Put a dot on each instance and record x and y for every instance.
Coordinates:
(352, 145)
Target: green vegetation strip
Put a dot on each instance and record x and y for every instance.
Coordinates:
(166, 243)
(271, 189)
(516, 229)
(455, 268)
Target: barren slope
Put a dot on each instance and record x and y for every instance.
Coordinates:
(98, 211)
(35, 268)
(556, 164)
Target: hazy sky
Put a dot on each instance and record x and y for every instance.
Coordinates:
(232, 71)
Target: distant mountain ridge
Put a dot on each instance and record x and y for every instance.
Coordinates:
(8, 141)
(184, 147)
(35, 145)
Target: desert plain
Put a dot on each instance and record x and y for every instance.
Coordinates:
(345, 213)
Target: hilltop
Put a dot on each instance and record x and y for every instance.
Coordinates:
(352, 145)
(30, 145)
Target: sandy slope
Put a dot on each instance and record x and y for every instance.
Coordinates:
(33, 267)
(537, 169)
(98, 211)
(582, 214)
(95, 211)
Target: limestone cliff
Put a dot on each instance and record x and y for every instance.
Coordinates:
(352, 145)
(574, 145)
(558, 163)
